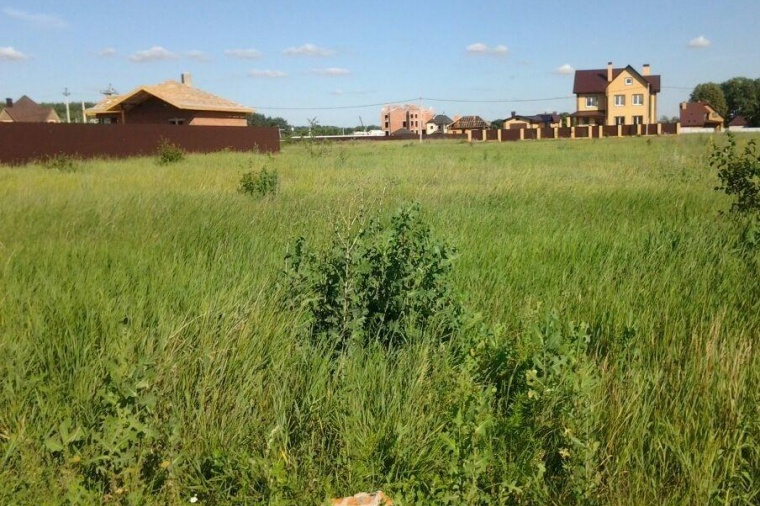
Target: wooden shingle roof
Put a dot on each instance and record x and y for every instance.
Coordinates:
(175, 93)
(469, 123)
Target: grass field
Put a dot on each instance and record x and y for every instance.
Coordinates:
(608, 352)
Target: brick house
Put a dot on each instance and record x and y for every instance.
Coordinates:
(26, 110)
(615, 96)
(409, 117)
(699, 115)
(170, 102)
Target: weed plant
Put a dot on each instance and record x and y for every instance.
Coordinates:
(606, 351)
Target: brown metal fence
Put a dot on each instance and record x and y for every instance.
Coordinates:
(565, 133)
(492, 135)
(510, 135)
(24, 142)
(547, 133)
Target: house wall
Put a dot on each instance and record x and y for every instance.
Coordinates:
(580, 102)
(628, 111)
(157, 112)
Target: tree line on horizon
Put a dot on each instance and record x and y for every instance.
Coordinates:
(738, 96)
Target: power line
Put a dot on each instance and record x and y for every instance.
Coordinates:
(450, 100)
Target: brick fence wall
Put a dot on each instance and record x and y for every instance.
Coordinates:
(25, 142)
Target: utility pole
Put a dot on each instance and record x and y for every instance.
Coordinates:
(66, 94)
(419, 123)
(84, 117)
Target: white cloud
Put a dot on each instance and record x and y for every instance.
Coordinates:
(309, 50)
(244, 54)
(107, 52)
(266, 74)
(156, 53)
(38, 20)
(699, 42)
(564, 70)
(10, 54)
(331, 71)
(197, 55)
(479, 48)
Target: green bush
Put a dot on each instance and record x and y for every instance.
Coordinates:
(739, 174)
(62, 163)
(169, 153)
(376, 282)
(262, 183)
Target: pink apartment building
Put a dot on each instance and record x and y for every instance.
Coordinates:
(404, 117)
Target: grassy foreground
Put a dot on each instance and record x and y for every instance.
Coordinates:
(609, 354)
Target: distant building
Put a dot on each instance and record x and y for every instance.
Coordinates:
(738, 123)
(468, 123)
(699, 115)
(26, 110)
(172, 102)
(409, 117)
(438, 125)
(615, 96)
(536, 121)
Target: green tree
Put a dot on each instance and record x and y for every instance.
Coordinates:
(742, 97)
(260, 120)
(712, 94)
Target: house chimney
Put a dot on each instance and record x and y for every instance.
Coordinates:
(683, 105)
(8, 102)
(514, 114)
(645, 70)
(187, 79)
(609, 71)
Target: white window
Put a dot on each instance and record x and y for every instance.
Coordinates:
(638, 99)
(592, 102)
(619, 100)
(620, 120)
(628, 81)
(638, 120)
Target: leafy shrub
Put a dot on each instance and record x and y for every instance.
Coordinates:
(62, 163)
(169, 153)
(739, 174)
(388, 283)
(261, 183)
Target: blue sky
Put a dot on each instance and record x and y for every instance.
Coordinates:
(336, 60)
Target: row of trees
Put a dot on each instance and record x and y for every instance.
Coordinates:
(313, 128)
(739, 96)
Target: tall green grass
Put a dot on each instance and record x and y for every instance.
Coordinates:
(145, 356)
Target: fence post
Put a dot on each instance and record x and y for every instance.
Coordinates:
(469, 135)
(498, 134)
(601, 131)
(659, 128)
(522, 134)
(538, 134)
(572, 132)
(620, 130)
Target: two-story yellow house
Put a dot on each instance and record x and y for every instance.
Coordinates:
(615, 96)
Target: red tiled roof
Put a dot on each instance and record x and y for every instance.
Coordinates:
(595, 80)
(738, 121)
